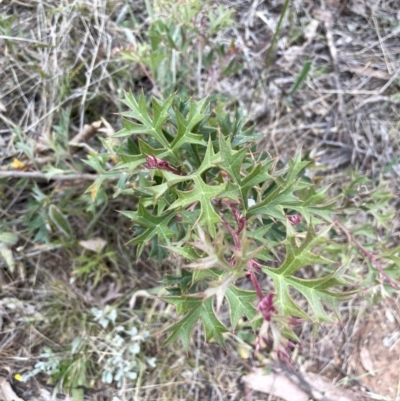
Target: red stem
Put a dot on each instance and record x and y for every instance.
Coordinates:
(254, 281)
(366, 253)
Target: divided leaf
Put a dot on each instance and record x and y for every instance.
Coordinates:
(149, 126)
(281, 196)
(155, 225)
(186, 125)
(273, 205)
(154, 126)
(314, 290)
(225, 192)
(202, 193)
(197, 309)
(232, 162)
(241, 303)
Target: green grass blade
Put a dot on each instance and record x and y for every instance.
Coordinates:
(272, 49)
(302, 76)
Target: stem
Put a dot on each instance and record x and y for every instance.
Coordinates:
(366, 253)
(254, 281)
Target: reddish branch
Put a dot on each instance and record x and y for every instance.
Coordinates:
(366, 253)
(266, 302)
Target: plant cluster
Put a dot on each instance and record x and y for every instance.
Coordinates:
(204, 193)
(183, 41)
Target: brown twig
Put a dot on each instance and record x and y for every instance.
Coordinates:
(37, 175)
(87, 132)
(366, 253)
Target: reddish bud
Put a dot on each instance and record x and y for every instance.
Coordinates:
(294, 219)
(153, 162)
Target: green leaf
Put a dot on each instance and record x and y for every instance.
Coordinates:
(232, 162)
(301, 255)
(209, 274)
(190, 217)
(241, 303)
(171, 179)
(197, 309)
(147, 150)
(60, 221)
(185, 275)
(273, 205)
(155, 225)
(129, 161)
(317, 292)
(210, 159)
(314, 290)
(94, 189)
(185, 251)
(186, 125)
(313, 204)
(272, 48)
(202, 193)
(295, 167)
(8, 257)
(302, 76)
(281, 194)
(259, 233)
(148, 125)
(8, 238)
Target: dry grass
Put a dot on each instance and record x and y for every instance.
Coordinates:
(347, 110)
(60, 57)
(64, 57)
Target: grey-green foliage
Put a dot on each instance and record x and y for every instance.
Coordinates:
(122, 347)
(50, 365)
(121, 343)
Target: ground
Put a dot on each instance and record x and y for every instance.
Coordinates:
(65, 65)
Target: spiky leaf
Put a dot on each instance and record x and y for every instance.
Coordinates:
(148, 125)
(155, 225)
(232, 162)
(197, 309)
(314, 290)
(202, 193)
(241, 303)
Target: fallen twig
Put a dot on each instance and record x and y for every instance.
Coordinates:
(87, 132)
(37, 175)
